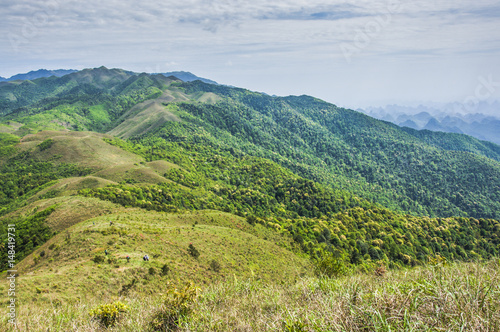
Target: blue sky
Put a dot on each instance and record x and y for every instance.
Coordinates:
(354, 54)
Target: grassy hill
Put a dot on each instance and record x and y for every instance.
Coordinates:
(239, 249)
(314, 217)
(265, 188)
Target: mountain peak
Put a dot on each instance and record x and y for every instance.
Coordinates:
(188, 77)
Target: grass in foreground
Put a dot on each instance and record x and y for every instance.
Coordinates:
(456, 297)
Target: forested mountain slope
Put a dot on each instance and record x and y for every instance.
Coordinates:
(425, 174)
(348, 150)
(221, 185)
(42, 174)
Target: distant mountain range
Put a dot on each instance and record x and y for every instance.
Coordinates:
(34, 74)
(188, 77)
(483, 121)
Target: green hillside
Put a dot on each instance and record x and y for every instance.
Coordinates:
(78, 253)
(348, 150)
(275, 189)
(434, 174)
(315, 217)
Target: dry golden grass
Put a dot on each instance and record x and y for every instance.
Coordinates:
(71, 186)
(68, 212)
(457, 297)
(149, 115)
(83, 148)
(461, 297)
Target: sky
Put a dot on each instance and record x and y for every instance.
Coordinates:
(351, 53)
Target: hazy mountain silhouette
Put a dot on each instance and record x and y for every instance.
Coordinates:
(483, 121)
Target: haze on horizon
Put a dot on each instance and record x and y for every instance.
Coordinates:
(354, 54)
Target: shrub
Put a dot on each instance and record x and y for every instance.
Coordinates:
(193, 251)
(112, 260)
(380, 271)
(215, 266)
(331, 265)
(437, 260)
(152, 271)
(98, 259)
(127, 287)
(251, 219)
(46, 144)
(108, 314)
(298, 238)
(176, 304)
(165, 269)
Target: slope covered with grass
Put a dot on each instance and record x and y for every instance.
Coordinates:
(445, 298)
(228, 247)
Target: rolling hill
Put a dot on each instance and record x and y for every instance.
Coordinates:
(434, 175)
(102, 164)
